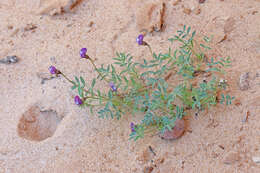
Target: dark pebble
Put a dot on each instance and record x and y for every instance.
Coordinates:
(9, 60)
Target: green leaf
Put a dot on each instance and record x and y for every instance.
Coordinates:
(82, 81)
(188, 30)
(204, 46)
(93, 83)
(213, 69)
(77, 80)
(80, 92)
(74, 87)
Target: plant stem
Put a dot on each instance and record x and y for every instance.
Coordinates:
(73, 83)
(67, 78)
(94, 65)
(150, 49)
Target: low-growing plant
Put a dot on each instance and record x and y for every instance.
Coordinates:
(161, 89)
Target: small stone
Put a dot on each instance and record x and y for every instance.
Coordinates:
(57, 7)
(176, 2)
(149, 16)
(10, 27)
(237, 102)
(176, 132)
(144, 157)
(229, 25)
(244, 81)
(9, 60)
(36, 124)
(231, 158)
(256, 159)
(186, 11)
(148, 169)
(197, 11)
(201, 1)
(30, 27)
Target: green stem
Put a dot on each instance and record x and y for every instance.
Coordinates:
(94, 65)
(73, 83)
(67, 78)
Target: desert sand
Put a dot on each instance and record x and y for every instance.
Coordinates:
(43, 131)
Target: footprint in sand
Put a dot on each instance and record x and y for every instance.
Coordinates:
(37, 125)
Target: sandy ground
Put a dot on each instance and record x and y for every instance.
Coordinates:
(42, 130)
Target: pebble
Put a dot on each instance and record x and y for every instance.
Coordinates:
(57, 7)
(36, 124)
(176, 2)
(244, 81)
(30, 27)
(229, 25)
(149, 16)
(148, 169)
(187, 11)
(9, 60)
(201, 1)
(197, 11)
(231, 158)
(176, 132)
(256, 159)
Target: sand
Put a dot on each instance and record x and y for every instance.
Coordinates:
(42, 130)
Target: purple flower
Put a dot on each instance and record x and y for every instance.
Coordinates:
(139, 39)
(53, 70)
(112, 86)
(78, 100)
(132, 126)
(83, 52)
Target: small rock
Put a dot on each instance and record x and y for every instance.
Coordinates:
(244, 81)
(9, 60)
(229, 25)
(176, 132)
(36, 124)
(30, 27)
(237, 102)
(231, 158)
(201, 1)
(256, 159)
(148, 169)
(58, 6)
(197, 11)
(10, 27)
(186, 11)
(176, 2)
(254, 12)
(144, 156)
(149, 16)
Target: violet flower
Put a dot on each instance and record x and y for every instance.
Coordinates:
(132, 126)
(140, 39)
(83, 53)
(112, 86)
(53, 70)
(78, 100)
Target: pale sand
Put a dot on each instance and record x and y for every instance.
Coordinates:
(73, 140)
